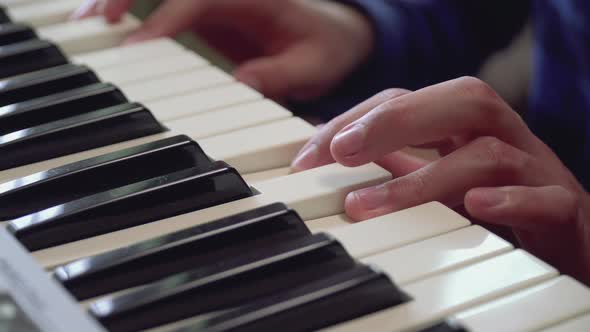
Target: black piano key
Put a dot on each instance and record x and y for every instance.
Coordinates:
(11, 33)
(131, 205)
(4, 17)
(228, 283)
(28, 56)
(449, 326)
(320, 304)
(45, 82)
(79, 133)
(58, 106)
(91, 176)
(181, 251)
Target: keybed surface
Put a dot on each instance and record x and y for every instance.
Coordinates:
(449, 268)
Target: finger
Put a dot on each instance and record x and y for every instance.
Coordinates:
(484, 162)
(525, 208)
(87, 8)
(172, 17)
(400, 163)
(317, 151)
(112, 10)
(462, 107)
(543, 220)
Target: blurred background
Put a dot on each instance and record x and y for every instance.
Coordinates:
(508, 71)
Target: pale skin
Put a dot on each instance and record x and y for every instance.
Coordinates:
(492, 166)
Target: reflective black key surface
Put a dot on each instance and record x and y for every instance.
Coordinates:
(131, 205)
(316, 305)
(445, 327)
(225, 284)
(58, 106)
(107, 126)
(45, 82)
(206, 244)
(28, 56)
(4, 17)
(42, 190)
(11, 33)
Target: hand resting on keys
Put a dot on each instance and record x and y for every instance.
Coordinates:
(492, 165)
(282, 47)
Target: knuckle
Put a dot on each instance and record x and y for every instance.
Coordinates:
(390, 93)
(395, 111)
(412, 188)
(487, 102)
(500, 157)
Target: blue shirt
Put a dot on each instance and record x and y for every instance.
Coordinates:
(422, 42)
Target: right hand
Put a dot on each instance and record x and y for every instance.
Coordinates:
(289, 49)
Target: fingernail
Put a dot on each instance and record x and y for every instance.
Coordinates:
(490, 198)
(350, 141)
(372, 198)
(83, 10)
(306, 159)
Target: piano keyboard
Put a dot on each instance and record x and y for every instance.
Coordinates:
(178, 212)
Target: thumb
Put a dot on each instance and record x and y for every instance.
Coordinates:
(294, 73)
(523, 208)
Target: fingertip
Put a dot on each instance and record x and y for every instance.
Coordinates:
(307, 158)
(348, 144)
(367, 203)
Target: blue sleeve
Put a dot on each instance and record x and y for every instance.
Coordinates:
(422, 42)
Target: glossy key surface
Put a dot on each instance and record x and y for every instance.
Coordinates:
(28, 56)
(135, 204)
(45, 82)
(70, 182)
(166, 255)
(70, 135)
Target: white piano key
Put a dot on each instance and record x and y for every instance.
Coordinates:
(45, 12)
(206, 100)
(261, 148)
(174, 85)
(89, 34)
(122, 55)
(314, 194)
(436, 298)
(18, 3)
(229, 119)
(533, 309)
(397, 229)
(253, 178)
(148, 69)
(577, 324)
(246, 149)
(328, 223)
(439, 254)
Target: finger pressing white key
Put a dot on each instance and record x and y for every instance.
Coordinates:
(313, 194)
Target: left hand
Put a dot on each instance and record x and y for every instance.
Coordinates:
(492, 165)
